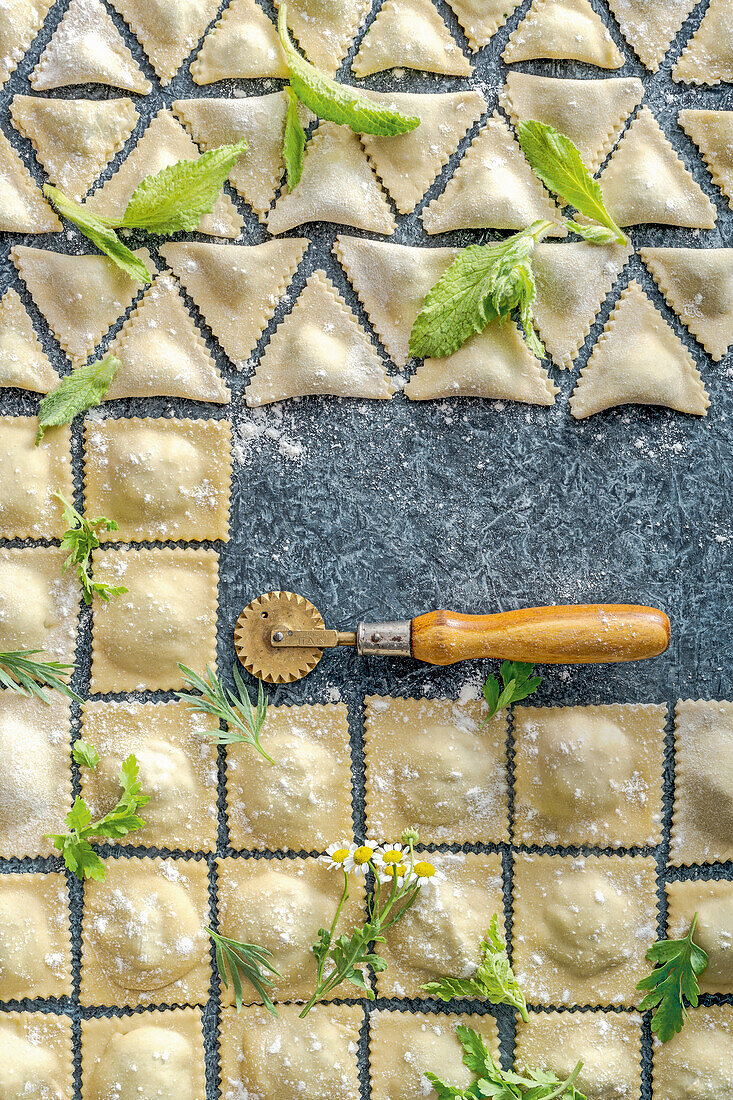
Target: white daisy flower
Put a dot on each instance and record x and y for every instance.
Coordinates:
(337, 855)
(425, 872)
(358, 859)
(390, 854)
(388, 872)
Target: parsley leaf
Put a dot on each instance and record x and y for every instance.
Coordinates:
(77, 392)
(80, 539)
(85, 755)
(337, 102)
(678, 964)
(494, 978)
(556, 161)
(519, 682)
(100, 232)
(294, 142)
(20, 673)
(243, 721)
(235, 960)
(74, 846)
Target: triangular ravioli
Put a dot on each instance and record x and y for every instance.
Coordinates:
(236, 287)
(243, 43)
(712, 132)
(260, 121)
(87, 48)
(565, 30)
(320, 348)
(481, 19)
(698, 284)
(80, 296)
(325, 29)
(23, 208)
(591, 113)
(20, 22)
(164, 143)
(492, 188)
(572, 283)
(495, 364)
(23, 362)
(408, 164)
(638, 360)
(392, 281)
(650, 25)
(410, 34)
(74, 139)
(162, 353)
(167, 31)
(645, 181)
(708, 56)
(337, 185)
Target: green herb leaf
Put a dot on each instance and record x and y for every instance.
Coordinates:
(518, 681)
(557, 162)
(596, 234)
(243, 721)
(77, 392)
(678, 964)
(85, 755)
(337, 102)
(20, 673)
(235, 960)
(178, 197)
(294, 142)
(80, 539)
(100, 232)
(494, 979)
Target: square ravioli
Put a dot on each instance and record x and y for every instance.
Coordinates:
(703, 779)
(32, 476)
(35, 937)
(607, 1043)
(280, 904)
(39, 603)
(712, 900)
(433, 764)
(160, 480)
(589, 775)
(167, 617)
(441, 932)
(178, 769)
(403, 1045)
(144, 939)
(37, 1056)
(263, 1056)
(582, 926)
(35, 765)
(698, 1061)
(147, 1055)
(302, 803)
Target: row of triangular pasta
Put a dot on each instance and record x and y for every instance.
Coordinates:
(321, 348)
(87, 47)
(645, 181)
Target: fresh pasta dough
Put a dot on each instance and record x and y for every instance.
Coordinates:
(244, 43)
(39, 603)
(167, 31)
(23, 362)
(481, 19)
(32, 476)
(23, 208)
(410, 34)
(325, 29)
(35, 938)
(712, 900)
(708, 56)
(712, 132)
(37, 1056)
(698, 284)
(650, 25)
(698, 1061)
(703, 779)
(20, 22)
(563, 29)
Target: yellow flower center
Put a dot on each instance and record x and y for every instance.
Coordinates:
(340, 855)
(363, 855)
(395, 870)
(424, 869)
(392, 856)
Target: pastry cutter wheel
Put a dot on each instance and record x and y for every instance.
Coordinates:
(280, 637)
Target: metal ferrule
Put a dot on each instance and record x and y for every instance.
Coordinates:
(384, 639)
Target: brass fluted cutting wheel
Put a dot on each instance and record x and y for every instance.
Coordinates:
(254, 628)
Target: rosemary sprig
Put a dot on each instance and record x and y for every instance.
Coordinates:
(243, 721)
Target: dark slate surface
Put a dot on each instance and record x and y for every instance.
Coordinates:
(387, 509)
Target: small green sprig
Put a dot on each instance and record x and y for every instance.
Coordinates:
(517, 682)
(244, 722)
(489, 282)
(494, 979)
(74, 845)
(83, 388)
(81, 538)
(235, 961)
(673, 982)
(19, 672)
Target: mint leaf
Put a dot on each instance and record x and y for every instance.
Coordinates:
(77, 392)
(100, 232)
(294, 142)
(596, 234)
(556, 161)
(337, 102)
(672, 983)
(177, 197)
(85, 755)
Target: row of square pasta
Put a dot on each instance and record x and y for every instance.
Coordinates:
(589, 776)
(259, 1055)
(405, 34)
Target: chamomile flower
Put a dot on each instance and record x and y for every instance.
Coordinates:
(337, 855)
(358, 860)
(426, 872)
(391, 854)
(388, 872)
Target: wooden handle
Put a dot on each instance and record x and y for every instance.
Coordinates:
(587, 634)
